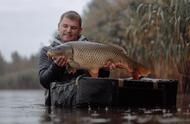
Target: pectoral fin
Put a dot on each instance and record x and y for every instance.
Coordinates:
(71, 70)
(74, 64)
(94, 72)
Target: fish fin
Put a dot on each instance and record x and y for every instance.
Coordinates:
(74, 64)
(93, 72)
(119, 73)
(136, 74)
(117, 47)
(144, 71)
(71, 70)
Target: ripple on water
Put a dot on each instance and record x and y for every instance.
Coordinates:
(26, 107)
(99, 120)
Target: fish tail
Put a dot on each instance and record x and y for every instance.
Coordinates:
(142, 70)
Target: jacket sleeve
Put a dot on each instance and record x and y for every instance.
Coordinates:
(48, 70)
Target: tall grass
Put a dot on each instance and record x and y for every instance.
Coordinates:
(165, 29)
(154, 32)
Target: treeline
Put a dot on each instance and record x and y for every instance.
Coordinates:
(20, 73)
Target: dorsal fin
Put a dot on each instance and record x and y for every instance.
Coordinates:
(113, 45)
(117, 47)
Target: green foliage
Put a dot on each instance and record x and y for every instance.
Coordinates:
(26, 79)
(155, 32)
(2, 65)
(20, 73)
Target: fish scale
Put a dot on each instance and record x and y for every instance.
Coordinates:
(92, 55)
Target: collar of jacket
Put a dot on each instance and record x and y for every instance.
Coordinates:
(55, 40)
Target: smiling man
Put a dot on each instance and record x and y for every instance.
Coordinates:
(69, 27)
(53, 72)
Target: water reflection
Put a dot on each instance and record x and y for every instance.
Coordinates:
(113, 116)
(21, 107)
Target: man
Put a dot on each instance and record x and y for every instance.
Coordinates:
(53, 73)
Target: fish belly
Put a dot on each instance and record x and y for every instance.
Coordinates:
(91, 57)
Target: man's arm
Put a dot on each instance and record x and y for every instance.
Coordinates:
(48, 70)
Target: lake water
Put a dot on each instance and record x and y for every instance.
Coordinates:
(27, 107)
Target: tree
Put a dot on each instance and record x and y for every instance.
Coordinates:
(2, 65)
(16, 58)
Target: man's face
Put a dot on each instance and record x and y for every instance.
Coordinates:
(69, 30)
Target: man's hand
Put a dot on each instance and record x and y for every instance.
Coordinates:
(109, 65)
(60, 61)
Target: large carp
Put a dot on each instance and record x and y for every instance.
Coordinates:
(92, 56)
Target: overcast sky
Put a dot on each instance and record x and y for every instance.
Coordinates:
(26, 25)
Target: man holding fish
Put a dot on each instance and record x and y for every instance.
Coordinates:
(70, 55)
(54, 69)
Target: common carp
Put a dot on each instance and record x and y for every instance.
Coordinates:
(92, 56)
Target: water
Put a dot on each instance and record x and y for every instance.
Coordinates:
(26, 107)
(19, 107)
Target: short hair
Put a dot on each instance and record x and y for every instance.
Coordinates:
(73, 15)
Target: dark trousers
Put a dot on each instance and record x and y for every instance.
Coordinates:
(61, 94)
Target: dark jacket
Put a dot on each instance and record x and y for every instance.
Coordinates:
(50, 72)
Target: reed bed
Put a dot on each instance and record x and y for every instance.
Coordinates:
(155, 33)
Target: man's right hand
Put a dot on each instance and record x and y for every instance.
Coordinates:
(60, 61)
